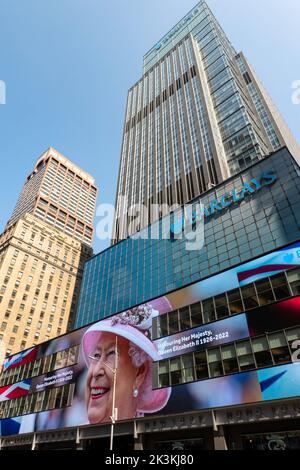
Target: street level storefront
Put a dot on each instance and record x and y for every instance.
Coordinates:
(260, 427)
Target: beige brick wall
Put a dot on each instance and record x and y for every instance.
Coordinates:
(40, 271)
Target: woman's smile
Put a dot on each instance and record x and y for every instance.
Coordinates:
(98, 392)
(102, 378)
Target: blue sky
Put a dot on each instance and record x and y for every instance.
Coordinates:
(68, 64)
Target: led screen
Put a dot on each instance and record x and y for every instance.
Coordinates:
(94, 374)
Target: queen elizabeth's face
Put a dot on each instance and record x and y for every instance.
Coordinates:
(100, 379)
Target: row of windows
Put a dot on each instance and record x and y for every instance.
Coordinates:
(58, 397)
(161, 98)
(26, 331)
(254, 353)
(43, 365)
(56, 167)
(262, 292)
(51, 243)
(77, 233)
(59, 214)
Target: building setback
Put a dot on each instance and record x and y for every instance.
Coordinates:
(60, 193)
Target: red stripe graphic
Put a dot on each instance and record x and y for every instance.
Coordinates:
(264, 269)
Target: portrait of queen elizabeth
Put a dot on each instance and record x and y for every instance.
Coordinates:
(122, 345)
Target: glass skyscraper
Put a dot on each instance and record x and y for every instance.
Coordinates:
(197, 116)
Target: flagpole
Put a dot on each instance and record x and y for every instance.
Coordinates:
(114, 411)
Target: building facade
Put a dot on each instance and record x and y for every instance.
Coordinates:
(42, 250)
(215, 355)
(197, 116)
(40, 274)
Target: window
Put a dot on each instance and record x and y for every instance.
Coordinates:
(73, 355)
(221, 306)
(175, 371)
(229, 359)
(163, 322)
(294, 280)
(173, 322)
(215, 363)
(36, 367)
(291, 336)
(48, 399)
(188, 368)
(261, 351)
(184, 317)
(264, 291)
(280, 286)
(245, 355)
(61, 359)
(47, 364)
(38, 401)
(196, 314)
(201, 365)
(14, 293)
(235, 301)
(208, 311)
(163, 373)
(279, 348)
(249, 296)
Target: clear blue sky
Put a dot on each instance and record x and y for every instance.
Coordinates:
(68, 65)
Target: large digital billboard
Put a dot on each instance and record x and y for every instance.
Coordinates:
(95, 373)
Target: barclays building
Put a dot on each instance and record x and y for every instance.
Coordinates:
(212, 333)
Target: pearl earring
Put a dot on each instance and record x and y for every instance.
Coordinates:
(135, 392)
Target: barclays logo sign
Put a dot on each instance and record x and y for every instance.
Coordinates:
(222, 203)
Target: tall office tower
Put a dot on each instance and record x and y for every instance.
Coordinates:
(42, 252)
(60, 193)
(197, 116)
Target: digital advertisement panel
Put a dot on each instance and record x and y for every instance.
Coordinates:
(130, 333)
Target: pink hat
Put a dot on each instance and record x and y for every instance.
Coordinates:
(162, 304)
(132, 325)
